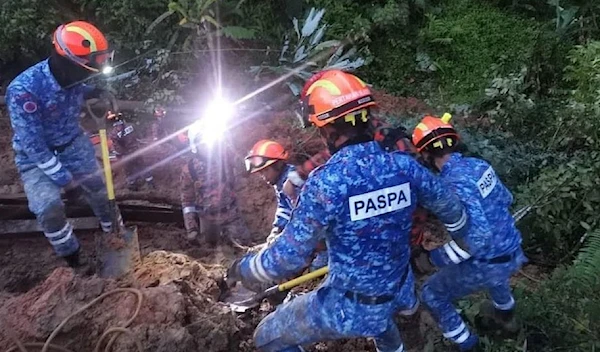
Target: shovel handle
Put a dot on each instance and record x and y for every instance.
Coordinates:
(302, 279)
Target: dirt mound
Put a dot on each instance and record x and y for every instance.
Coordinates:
(172, 317)
(161, 268)
(391, 104)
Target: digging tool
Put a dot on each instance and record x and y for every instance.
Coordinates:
(237, 296)
(119, 250)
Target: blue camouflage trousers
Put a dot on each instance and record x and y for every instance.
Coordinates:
(456, 281)
(44, 196)
(325, 314)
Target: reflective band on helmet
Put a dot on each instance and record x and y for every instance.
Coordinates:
(347, 107)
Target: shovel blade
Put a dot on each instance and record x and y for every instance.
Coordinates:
(118, 252)
(240, 299)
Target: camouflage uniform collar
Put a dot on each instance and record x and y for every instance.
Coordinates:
(53, 83)
(454, 158)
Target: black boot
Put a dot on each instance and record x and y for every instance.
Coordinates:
(496, 322)
(73, 260)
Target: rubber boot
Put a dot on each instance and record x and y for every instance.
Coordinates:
(73, 260)
(496, 322)
(470, 345)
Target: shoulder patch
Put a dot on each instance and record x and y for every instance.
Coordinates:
(30, 107)
(382, 201)
(487, 182)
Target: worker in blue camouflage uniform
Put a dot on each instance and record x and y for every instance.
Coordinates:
(51, 150)
(268, 158)
(360, 202)
(489, 252)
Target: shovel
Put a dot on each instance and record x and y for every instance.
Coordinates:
(241, 299)
(119, 250)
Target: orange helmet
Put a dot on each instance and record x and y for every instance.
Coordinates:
(335, 94)
(430, 133)
(84, 44)
(263, 154)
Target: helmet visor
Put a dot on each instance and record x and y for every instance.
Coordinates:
(255, 163)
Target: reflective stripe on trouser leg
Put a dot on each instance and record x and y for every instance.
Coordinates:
(44, 200)
(502, 296)
(63, 241)
(437, 294)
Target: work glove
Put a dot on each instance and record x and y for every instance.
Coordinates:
(275, 232)
(234, 273)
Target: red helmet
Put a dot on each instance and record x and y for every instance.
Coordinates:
(433, 132)
(333, 94)
(84, 44)
(263, 154)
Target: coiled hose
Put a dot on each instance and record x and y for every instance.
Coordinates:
(115, 331)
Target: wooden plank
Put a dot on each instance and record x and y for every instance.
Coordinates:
(129, 213)
(8, 227)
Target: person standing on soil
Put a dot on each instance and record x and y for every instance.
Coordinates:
(207, 192)
(489, 253)
(268, 158)
(51, 150)
(389, 137)
(125, 145)
(361, 202)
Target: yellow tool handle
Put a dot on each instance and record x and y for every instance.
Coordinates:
(106, 162)
(302, 279)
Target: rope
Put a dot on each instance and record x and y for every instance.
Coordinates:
(22, 347)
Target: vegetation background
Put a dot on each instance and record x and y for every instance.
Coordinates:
(521, 78)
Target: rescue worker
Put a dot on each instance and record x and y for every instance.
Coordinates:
(268, 158)
(207, 192)
(391, 138)
(162, 129)
(361, 203)
(489, 252)
(51, 150)
(125, 145)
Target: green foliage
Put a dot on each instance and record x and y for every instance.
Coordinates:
(304, 53)
(203, 20)
(586, 268)
(468, 39)
(26, 27)
(566, 200)
(126, 22)
(583, 73)
(508, 100)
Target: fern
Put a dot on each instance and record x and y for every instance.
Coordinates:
(586, 268)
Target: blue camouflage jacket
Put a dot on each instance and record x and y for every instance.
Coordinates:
(491, 230)
(284, 203)
(44, 117)
(360, 202)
